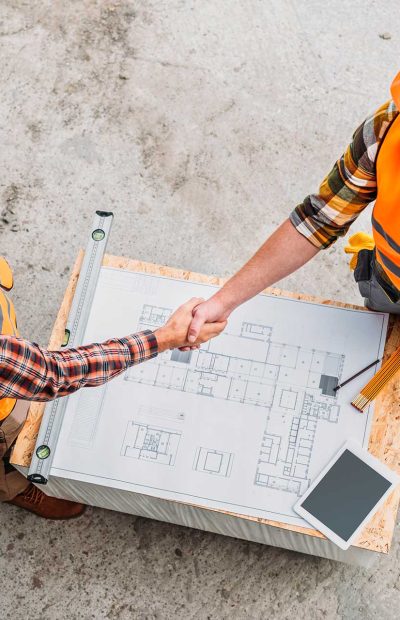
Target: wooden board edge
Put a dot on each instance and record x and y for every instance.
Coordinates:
(26, 440)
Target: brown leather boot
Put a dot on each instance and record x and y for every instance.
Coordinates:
(34, 500)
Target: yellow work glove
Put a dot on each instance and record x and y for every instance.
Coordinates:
(359, 241)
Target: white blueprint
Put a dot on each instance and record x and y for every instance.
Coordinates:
(245, 424)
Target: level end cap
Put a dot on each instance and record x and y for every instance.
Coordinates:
(37, 478)
(105, 213)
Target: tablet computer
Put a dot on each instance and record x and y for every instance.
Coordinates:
(346, 494)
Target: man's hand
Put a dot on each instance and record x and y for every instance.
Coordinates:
(174, 334)
(205, 312)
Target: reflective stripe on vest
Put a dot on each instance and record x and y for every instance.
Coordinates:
(8, 324)
(386, 213)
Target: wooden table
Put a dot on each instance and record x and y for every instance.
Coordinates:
(384, 441)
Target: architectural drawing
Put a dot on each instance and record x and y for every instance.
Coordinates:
(294, 384)
(216, 371)
(241, 425)
(150, 443)
(153, 316)
(215, 462)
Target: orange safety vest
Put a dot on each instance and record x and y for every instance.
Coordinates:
(8, 323)
(386, 212)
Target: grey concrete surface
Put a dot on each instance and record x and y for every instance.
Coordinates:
(200, 124)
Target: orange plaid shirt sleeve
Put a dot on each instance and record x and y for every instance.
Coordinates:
(29, 372)
(349, 187)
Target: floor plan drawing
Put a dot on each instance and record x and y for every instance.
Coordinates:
(153, 316)
(151, 443)
(244, 423)
(290, 457)
(215, 462)
(295, 385)
(221, 374)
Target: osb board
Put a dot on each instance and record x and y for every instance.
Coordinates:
(385, 434)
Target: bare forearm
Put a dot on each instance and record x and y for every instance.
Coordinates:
(285, 251)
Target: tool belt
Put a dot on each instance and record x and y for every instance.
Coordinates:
(367, 267)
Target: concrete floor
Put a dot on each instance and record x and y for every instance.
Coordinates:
(200, 124)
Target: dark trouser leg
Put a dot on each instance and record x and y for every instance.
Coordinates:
(11, 481)
(378, 300)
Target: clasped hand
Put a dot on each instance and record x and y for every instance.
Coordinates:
(175, 333)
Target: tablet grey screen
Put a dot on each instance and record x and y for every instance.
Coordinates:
(346, 494)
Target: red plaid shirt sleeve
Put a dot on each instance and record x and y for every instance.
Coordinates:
(29, 372)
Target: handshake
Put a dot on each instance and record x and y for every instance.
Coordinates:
(188, 327)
